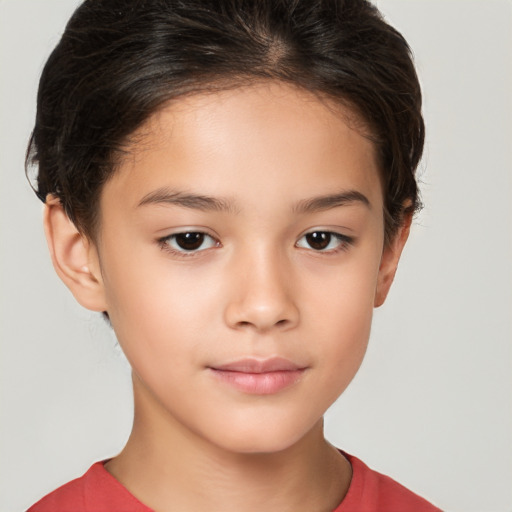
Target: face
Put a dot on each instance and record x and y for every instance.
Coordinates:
(241, 247)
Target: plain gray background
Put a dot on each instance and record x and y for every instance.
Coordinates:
(432, 404)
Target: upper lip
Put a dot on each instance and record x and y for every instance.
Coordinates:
(252, 365)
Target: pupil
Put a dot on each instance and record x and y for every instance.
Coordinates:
(190, 241)
(318, 240)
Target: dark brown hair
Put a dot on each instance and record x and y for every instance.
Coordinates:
(119, 61)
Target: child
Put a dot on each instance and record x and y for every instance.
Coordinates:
(231, 183)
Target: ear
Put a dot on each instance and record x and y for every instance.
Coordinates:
(74, 257)
(389, 261)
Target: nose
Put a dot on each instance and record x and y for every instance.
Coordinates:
(261, 295)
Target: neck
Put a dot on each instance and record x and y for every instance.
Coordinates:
(169, 468)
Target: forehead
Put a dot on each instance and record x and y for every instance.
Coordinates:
(266, 139)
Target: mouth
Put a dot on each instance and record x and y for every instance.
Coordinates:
(259, 377)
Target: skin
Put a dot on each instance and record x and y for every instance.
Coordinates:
(256, 288)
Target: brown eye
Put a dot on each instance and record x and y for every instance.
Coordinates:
(325, 241)
(188, 242)
(318, 240)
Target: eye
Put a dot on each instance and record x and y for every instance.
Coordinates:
(188, 242)
(324, 241)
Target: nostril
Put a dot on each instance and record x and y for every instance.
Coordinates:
(261, 313)
(245, 323)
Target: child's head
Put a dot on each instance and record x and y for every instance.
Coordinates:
(240, 177)
(121, 61)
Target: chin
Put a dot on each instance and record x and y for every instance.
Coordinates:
(266, 439)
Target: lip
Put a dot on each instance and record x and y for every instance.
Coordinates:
(259, 377)
(253, 365)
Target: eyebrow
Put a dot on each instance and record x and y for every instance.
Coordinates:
(188, 200)
(165, 196)
(329, 201)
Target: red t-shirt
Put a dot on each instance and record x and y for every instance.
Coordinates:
(98, 491)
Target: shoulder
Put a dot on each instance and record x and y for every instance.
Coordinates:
(372, 491)
(69, 496)
(95, 491)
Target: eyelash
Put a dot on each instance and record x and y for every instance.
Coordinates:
(344, 242)
(165, 243)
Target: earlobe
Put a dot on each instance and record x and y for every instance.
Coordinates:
(74, 257)
(389, 261)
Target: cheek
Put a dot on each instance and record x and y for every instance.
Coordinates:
(158, 310)
(343, 311)
(345, 339)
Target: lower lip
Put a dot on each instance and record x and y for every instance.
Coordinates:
(267, 383)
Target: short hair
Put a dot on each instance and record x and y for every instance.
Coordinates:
(120, 61)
